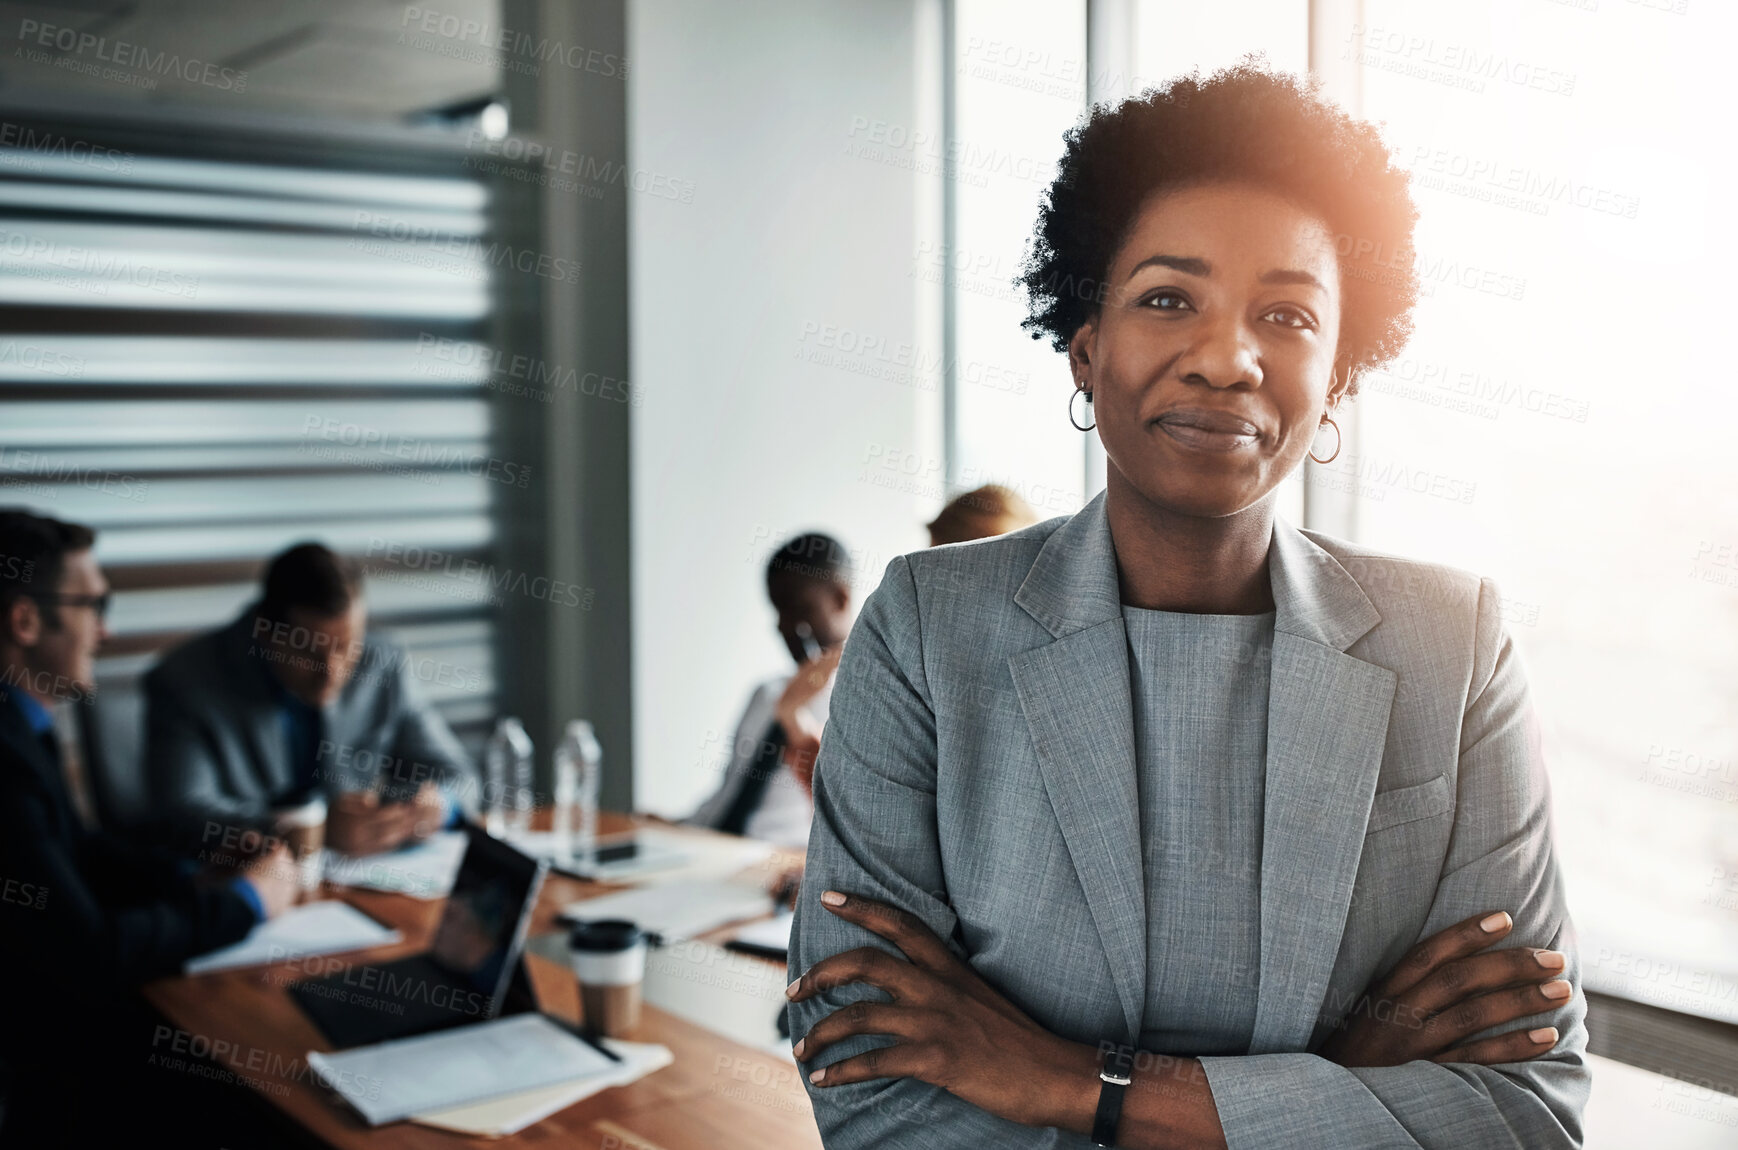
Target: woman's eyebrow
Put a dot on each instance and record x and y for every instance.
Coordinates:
(1188, 265)
(1291, 276)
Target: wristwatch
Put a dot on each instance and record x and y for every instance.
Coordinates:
(1116, 1074)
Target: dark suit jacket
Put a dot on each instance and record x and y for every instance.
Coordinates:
(83, 916)
(215, 744)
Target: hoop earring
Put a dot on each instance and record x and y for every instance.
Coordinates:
(1076, 422)
(1339, 440)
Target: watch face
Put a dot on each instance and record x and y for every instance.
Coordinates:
(1119, 1063)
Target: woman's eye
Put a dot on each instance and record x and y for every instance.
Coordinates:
(1292, 317)
(1168, 300)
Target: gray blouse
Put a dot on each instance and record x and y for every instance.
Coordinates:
(1200, 760)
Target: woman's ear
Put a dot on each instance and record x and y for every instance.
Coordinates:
(1339, 383)
(1080, 354)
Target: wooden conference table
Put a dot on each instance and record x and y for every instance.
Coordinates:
(716, 1094)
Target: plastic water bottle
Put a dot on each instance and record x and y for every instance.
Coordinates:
(507, 793)
(578, 778)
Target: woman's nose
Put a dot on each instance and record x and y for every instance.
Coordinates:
(1224, 355)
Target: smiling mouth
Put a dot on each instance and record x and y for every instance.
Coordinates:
(1209, 430)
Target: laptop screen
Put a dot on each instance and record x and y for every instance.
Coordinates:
(487, 914)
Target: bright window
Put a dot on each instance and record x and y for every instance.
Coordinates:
(1561, 422)
(1019, 84)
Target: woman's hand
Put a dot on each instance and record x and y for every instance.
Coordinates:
(802, 733)
(955, 1031)
(1444, 990)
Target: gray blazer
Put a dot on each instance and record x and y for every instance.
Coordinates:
(978, 769)
(216, 747)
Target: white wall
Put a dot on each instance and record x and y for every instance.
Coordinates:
(793, 123)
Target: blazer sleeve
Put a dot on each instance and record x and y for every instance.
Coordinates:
(874, 834)
(1500, 858)
(78, 933)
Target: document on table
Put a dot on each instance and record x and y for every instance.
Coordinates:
(511, 1113)
(313, 928)
(422, 870)
(651, 855)
(678, 909)
(459, 1067)
(771, 935)
(661, 856)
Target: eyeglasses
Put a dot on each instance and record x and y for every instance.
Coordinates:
(100, 602)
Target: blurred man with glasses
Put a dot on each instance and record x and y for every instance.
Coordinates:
(84, 918)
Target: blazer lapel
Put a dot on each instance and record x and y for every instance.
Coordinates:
(1327, 722)
(1075, 696)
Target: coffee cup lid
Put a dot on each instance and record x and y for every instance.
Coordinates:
(605, 934)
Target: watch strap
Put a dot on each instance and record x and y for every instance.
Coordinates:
(1114, 1078)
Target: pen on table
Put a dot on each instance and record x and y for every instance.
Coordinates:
(579, 1033)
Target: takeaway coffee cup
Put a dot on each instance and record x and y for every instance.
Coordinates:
(304, 830)
(609, 959)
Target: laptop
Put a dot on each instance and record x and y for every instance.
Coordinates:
(463, 978)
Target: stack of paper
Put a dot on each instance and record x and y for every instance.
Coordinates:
(422, 870)
(510, 1114)
(654, 853)
(662, 855)
(436, 1073)
(314, 928)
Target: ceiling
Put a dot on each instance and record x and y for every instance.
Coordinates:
(361, 60)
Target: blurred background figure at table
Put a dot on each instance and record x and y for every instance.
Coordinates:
(85, 916)
(989, 511)
(294, 701)
(982, 513)
(766, 792)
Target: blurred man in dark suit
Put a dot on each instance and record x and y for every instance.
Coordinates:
(83, 918)
(293, 701)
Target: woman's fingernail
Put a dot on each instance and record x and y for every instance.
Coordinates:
(832, 898)
(792, 988)
(1490, 924)
(818, 1075)
(797, 1050)
(1549, 959)
(1543, 1035)
(1557, 988)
